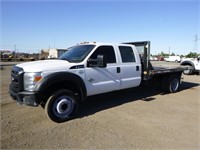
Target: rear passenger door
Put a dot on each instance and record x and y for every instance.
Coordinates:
(102, 80)
(130, 67)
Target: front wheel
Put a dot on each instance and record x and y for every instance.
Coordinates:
(61, 105)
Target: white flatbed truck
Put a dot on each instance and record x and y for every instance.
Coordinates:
(84, 70)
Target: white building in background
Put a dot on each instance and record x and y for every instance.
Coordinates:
(52, 53)
(56, 53)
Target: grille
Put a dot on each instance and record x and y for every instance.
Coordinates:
(17, 79)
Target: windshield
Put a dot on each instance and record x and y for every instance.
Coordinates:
(77, 53)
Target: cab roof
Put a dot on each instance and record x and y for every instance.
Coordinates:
(104, 43)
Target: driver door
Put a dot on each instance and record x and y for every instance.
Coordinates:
(103, 79)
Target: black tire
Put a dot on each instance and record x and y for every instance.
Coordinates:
(188, 72)
(173, 83)
(61, 106)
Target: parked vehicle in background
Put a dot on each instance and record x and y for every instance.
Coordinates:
(160, 58)
(195, 62)
(173, 58)
(153, 58)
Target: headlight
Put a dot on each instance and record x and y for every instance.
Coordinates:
(30, 79)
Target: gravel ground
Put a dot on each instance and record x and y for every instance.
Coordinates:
(139, 118)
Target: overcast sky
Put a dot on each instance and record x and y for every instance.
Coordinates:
(34, 25)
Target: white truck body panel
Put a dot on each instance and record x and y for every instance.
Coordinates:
(102, 80)
(45, 65)
(130, 76)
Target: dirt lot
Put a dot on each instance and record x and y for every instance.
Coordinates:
(141, 118)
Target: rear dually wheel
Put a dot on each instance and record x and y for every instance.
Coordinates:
(173, 83)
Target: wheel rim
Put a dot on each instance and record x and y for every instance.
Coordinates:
(174, 84)
(63, 106)
(186, 71)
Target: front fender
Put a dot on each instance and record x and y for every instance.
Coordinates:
(61, 77)
(183, 63)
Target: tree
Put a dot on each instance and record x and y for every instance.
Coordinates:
(172, 54)
(163, 54)
(192, 55)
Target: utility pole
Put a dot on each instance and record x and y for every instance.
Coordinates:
(196, 43)
(169, 50)
(15, 50)
(54, 42)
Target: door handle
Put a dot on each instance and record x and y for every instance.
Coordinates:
(118, 70)
(137, 68)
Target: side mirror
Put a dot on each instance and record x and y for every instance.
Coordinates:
(101, 61)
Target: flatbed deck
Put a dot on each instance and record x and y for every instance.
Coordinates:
(160, 67)
(164, 70)
(151, 70)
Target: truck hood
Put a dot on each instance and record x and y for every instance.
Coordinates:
(45, 65)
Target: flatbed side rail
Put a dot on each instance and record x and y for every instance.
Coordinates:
(171, 70)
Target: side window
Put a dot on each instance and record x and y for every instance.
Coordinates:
(108, 51)
(127, 54)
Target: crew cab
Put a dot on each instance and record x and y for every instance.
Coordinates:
(84, 70)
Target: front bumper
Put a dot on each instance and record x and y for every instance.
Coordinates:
(25, 97)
